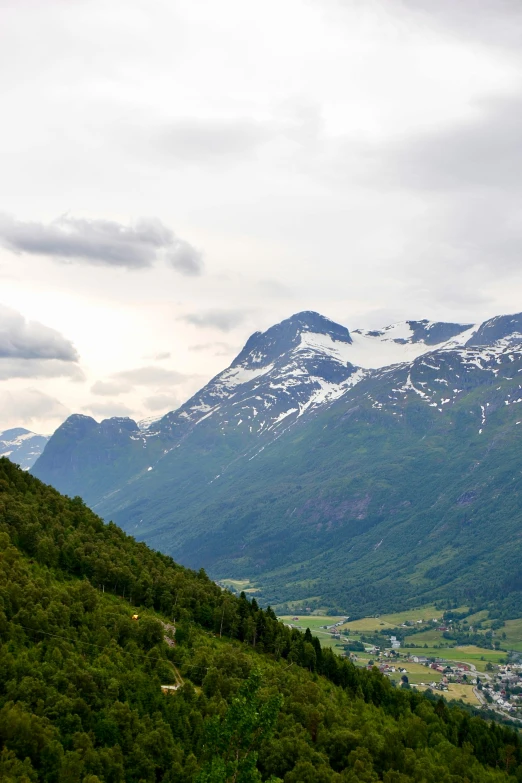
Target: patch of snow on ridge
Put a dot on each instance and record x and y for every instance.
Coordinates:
(235, 376)
(323, 343)
(461, 339)
(146, 424)
(373, 350)
(328, 391)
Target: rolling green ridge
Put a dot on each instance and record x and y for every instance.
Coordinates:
(80, 685)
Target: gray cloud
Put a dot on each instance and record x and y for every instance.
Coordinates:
(227, 139)
(493, 22)
(469, 177)
(274, 289)
(29, 349)
(108, 409)
(24, 405)
(101, 242)
(224, 320)
(481, 153)
(149, 376)
(39, 368)
(110, 388)
(195, 140)
(22, 339)
(159, 402)
(185, 259)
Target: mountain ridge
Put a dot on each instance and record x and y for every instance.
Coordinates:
(221, 480)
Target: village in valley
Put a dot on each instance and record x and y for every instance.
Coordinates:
(461, 656)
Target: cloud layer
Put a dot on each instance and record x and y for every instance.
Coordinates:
(101, 242)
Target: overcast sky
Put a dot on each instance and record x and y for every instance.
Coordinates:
(179, 174)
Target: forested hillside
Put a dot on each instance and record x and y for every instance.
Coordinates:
(80, 684)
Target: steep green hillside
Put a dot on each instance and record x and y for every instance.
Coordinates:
(80, 685)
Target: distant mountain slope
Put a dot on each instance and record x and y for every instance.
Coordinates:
(324, 479)
(22, 446)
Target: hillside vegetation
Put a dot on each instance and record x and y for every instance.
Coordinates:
(80, 684)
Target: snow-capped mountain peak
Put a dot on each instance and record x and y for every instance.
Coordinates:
(22, 446)
(296, 364)
(264, 348)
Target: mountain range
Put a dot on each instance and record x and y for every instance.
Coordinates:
(352, 470)
(22, 446)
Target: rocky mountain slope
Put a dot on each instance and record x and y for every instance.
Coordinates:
(332, 467)
(22, 446)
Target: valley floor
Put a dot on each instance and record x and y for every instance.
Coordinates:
(427, 648)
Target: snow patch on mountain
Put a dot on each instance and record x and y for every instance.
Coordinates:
(324, 344)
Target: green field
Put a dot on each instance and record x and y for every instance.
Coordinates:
(239, 585)
(378, 622)
(478, 656)
(367, 624)
(458, 691)
(513, 630)
(415, 672)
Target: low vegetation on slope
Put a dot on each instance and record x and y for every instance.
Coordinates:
(80, 685)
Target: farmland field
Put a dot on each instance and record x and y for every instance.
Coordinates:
(367, 624)
(430, 642)
(239, 585)
(458, 691)
(513, 630)
(469, 654)
(313, 622)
